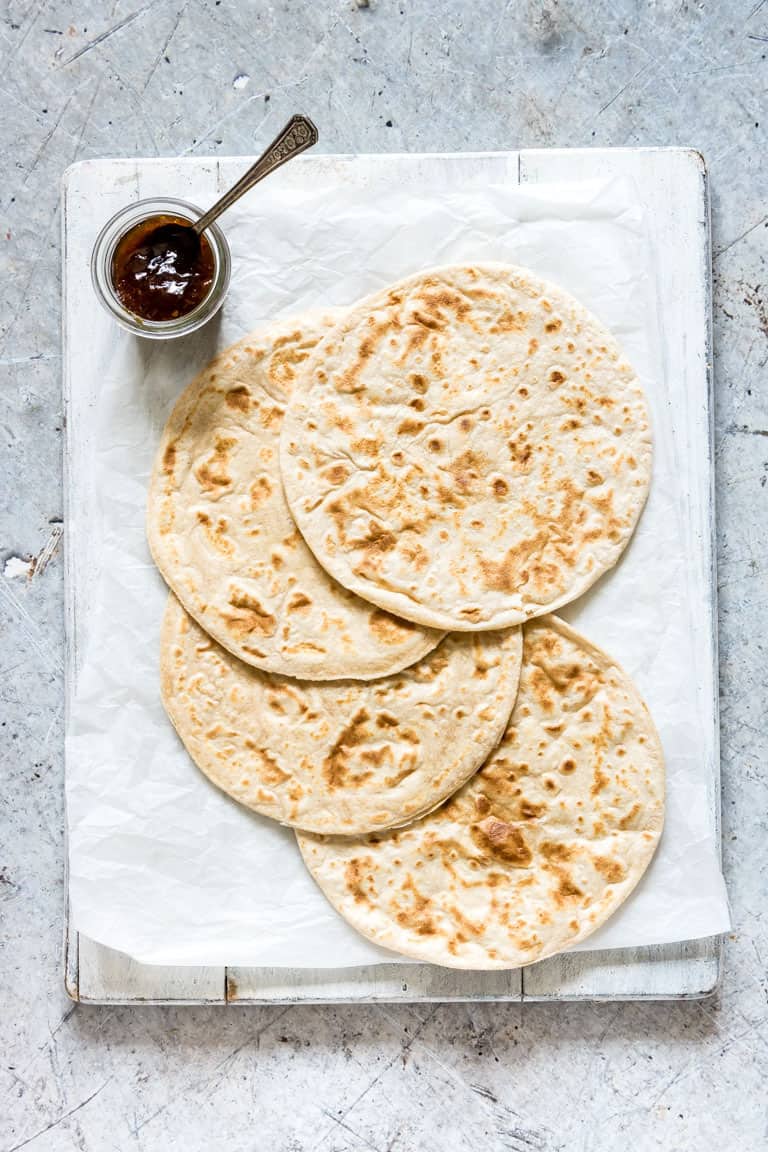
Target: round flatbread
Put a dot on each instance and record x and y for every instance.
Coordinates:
(469, 449)
(540, 847)
(222, 536)
(347, 757)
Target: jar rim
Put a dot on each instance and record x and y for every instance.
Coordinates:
(101, 268)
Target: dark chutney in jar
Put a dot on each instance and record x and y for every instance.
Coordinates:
(155, 279)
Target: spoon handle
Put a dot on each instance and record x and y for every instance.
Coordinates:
(297, 135)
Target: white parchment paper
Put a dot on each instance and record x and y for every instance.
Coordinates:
(162, 865)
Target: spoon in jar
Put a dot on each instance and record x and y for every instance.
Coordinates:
(173, 248)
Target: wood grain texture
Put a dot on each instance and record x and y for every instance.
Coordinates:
(109, 977)
(685, 971)
(380, 983)
(672, 183)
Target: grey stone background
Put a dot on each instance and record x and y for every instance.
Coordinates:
(124, 78)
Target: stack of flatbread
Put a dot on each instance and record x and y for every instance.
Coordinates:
(366, 519)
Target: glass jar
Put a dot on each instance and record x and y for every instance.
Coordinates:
(104, 251)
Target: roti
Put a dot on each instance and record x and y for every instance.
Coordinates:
(540, 847)
(342, 758)
(470, 448)
(221, 534)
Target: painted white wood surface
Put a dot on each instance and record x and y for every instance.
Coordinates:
(107, 976)
(385, 983)
(672, 183)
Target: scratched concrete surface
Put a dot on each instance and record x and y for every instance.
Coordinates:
(218, 76)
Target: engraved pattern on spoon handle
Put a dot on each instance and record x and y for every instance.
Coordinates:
(297, 135)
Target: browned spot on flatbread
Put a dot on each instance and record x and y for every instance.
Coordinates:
(482, 804)
(353, 876)
(468, 927)
(386, 720)
(613, 871)
(417, 557)
(378, 539)
(336, 474)
(306, 647)
(553, 325)
(520, 453)
(377, 757)
(600, 781)
(212, 473)
(389, 629)
(552, 850)
(446, 298)
(270, 417)
(336, 770)
(467, 468)
(260, 491)
(367, 445)
(252, 616)
(528, 810)
(431, 667)
(524, 565)
(502, 841)
(169, 459)
(627, 821)
(238, 398)
(540, 685)
(408, 765)
(349, 380)
(510, 321)
(287, 354)
(216, 536)
(409, 427)
(427, 320)
(299, 602)
(554, 729)
(417, 916)
(566, 891)
(270, 771)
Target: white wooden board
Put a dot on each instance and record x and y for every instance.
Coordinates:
(673, 186)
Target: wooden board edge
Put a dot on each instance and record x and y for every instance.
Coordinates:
(70, 942)
(70, 959)
(106, 976)
(396, 983)
(690, 970)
